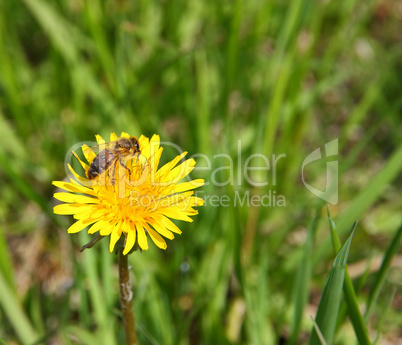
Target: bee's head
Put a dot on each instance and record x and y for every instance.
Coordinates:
(135, 144)
(128, 145)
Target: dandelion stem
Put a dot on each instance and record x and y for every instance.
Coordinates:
(126, 296)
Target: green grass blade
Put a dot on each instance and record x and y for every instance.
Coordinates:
(276, 102)
(25, 188)
(94, 16)
(56, 27)
(85, 336)
(384, 317)
(232, 47)
(203, 102)
(303, 279)
(67, 40)
(319, 334)
(96, 293)
(368, 196)
(336, 243)
(15, 313)
(328, 308)
(355, 315)
(5, 259)
(382, 273)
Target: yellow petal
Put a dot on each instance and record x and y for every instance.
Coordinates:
(84, 166)
(155, 158)
(101, 212)
(125, 226)
(185, 186)
(176, 174)
(154, 149)
(175, 213)
(86, 213)
(144, 141)
(191, 212)
(89, 153)
(156, 139)
(116, 233)
(142, 238)
(99, 139)
(79, 225)
(75, 198)
(170, 225)
(125, 135)
(73, 187)
(174, 199)
(84, 181)
(196, 201)
(162, 230)
(156, 238)
(145, 147)
(130, 241)
(100, 224)
(168, 166)
(107, 229)
(69, 209)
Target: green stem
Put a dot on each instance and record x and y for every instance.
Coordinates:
(126, 296)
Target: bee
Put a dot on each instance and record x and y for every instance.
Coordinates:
(109, 156)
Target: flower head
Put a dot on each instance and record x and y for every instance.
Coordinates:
(131, 196)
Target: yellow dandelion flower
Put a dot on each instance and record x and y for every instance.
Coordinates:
(130, 196)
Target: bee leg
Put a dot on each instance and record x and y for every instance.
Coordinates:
(137, 155)
(143, 166)
(113, 179)
(123, 165)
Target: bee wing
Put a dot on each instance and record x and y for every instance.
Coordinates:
(98, 148)
(90, 152)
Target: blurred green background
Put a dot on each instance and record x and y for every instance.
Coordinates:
(284, 77)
